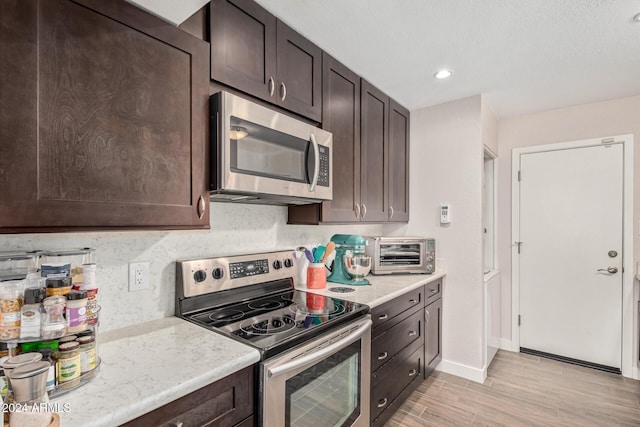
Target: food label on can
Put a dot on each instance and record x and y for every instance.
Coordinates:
(76, 316)
(68, 369)
(10, 318)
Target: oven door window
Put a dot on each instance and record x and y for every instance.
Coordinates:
(328, 393)
(261, 151)
(400, 254)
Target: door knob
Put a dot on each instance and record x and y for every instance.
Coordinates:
(611, 269)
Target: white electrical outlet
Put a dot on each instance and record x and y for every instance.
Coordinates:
(138, 276)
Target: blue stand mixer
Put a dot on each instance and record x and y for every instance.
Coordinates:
(351, 265)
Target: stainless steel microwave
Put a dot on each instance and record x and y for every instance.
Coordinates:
(259, 155)
(401, 254)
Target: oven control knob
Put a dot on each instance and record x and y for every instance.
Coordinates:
(277, 264)
(199, 276)
(288, 263)
(218, 273)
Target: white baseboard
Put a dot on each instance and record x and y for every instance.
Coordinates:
(464, 371)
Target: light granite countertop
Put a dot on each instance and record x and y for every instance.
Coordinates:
(149, 365)
(382, 288)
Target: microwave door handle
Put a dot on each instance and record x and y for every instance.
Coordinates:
(316, 163)
(323, 353)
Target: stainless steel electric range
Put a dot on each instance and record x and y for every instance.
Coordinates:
(315, 350)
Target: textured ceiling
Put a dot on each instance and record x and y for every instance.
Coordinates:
(523, 55)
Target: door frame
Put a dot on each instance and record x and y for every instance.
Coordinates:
(629, 343)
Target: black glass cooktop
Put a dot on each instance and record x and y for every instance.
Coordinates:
(280, 321)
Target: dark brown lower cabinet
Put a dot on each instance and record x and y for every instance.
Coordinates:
(227, 402)
(103, 118)
(433, 326)
(397, 353)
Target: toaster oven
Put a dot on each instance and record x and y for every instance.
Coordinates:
(401, 255)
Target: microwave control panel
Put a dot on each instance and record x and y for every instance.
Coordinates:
(323, 175)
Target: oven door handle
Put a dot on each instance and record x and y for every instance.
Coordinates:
(323, 353)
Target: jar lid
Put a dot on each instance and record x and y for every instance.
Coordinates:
(32, 296)
(22, 359)
(68, 346)
(68, 338)
(85, 340)
(27, 347)
(30, 370)
(54, 300)
(75, 295)
(58, 282)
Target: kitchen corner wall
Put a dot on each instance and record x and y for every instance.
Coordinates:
(447, 167)
(235, 229)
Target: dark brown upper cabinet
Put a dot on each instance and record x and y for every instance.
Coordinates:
(370, 183)
(398, 163)
(256, 53)
(374, 151)
(102, 119)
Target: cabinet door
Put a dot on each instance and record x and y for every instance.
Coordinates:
(398, 163)
(243, 47)
(374, 146)
(299, 72)
(103, 119)
(433, 335)
(341, 117)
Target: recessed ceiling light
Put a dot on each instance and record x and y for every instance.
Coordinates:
(443, 74)
(637, 18)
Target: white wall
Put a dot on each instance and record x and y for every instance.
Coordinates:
(235, 229)
(446, 166)
(615, 117)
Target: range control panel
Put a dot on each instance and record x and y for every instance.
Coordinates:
(202, 276)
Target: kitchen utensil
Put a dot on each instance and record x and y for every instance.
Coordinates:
(328, 251)
(345, 243)
(357, 266)
(318, 253)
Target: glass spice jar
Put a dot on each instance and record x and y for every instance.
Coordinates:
(76, 311)
(11, 294)
(68, 364)
(53, 323)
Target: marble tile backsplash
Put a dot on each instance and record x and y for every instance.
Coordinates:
(235, 229)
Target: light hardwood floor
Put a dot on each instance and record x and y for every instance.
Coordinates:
(524, 390)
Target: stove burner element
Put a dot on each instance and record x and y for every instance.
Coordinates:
(226, 316)
(265, 305)
(274, 325)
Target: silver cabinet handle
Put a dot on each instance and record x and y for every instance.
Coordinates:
(364, 210)
(383, 317)
(427, 315)
(382, 403)
(316, 165)
(179, 424)
(611, 269)
(357, 210)
(412, 372)
(283, 91)
(433, 290)
(412, 301)
(412, 333)
(391, 211)
(322, 353)
(272, 85)
(202, 207)
(383, 356)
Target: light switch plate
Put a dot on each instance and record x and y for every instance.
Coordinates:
(138, 276)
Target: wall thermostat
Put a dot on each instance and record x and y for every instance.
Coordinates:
(445, 214)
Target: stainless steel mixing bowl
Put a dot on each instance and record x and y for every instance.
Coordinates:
(357, 266)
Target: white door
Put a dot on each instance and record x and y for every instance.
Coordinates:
(571, 204)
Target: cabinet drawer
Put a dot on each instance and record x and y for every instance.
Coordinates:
(394, 381)
(383, 314)
(433, 291)
(228, 401)
(394, 339)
